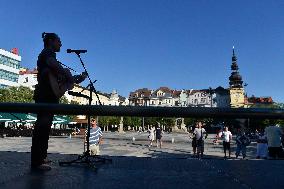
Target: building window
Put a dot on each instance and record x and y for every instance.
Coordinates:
(9, 62)
(203, 100)
(10, 76)
(3, 86)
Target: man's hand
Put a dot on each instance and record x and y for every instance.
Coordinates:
(80, 78)
(84, 75)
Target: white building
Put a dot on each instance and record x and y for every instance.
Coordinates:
(84, 101)
(9, 68)
(160, 97)
(112, 99)
(28, 78)
(200, 98)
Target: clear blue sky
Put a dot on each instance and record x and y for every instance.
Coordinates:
(151, 43)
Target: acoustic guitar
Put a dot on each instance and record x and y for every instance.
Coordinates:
(62, 83)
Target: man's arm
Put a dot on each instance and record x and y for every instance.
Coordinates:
(220, 135)
(101, 136)
(206, 134)
(231, 136)
(100, 140)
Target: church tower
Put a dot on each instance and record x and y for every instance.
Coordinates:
(237, 92)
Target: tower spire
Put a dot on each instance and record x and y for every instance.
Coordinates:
(235, 78)
(234, 58)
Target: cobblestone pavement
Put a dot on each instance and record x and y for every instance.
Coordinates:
(134, 165)
(116, 144)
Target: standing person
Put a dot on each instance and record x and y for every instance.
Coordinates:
(274, 134)
(159, 135)
(226, 135)
(48, 65)
(242, 141)
(95, 138)
(262, 147)
(151, 135)
(194, 141)
(200, 134)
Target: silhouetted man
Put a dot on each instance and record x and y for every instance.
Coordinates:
(47, 65)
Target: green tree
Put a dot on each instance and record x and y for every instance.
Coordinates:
(4, 95)
(16, 94)
(132, 121)
(63, 100)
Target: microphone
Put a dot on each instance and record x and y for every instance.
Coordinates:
(76, 51)
(72, 93)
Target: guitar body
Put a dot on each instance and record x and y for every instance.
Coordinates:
(61, 84)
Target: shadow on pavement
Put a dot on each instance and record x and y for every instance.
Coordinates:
(164, 170)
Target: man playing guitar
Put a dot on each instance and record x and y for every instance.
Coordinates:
(52, 78)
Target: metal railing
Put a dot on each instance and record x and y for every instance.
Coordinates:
(143, 111)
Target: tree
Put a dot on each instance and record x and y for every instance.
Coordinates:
(132, 121)
(4, 95)
(63, 100)
(16, 94)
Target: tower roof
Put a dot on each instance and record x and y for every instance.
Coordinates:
(235, 78)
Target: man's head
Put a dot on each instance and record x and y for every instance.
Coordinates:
(52, 41)
(199, 124)
(226, 128)
(94, 123)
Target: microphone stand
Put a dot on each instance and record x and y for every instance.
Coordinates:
(85, 158)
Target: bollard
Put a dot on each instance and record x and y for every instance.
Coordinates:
(133, 139)
(70, 136)
(173, 140)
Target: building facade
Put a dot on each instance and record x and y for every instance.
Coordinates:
(28, 78)
(200, 98)
(166, 97)
(9, 68)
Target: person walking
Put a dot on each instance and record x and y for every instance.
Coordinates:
(242, 141)
(274, 134)
(226, 135)
(151, 135)
(159, 135)
(262, 147)
(194, 141)
(200, 134)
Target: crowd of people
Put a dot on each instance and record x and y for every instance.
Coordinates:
(270, 142)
